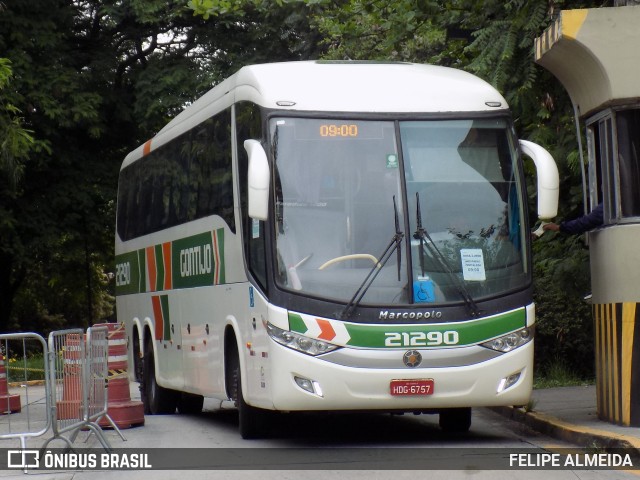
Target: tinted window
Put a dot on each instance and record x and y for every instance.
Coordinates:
(184, 180)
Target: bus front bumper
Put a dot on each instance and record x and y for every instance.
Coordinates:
(300, 382)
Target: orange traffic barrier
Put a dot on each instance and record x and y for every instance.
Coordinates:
(70, 406)
(124, 412)
(8, 403)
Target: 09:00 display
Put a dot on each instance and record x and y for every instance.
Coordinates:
(333, 130)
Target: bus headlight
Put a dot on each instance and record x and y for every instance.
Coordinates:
(301, 343)
(511, 341)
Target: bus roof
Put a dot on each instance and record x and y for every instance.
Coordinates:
(339, 87)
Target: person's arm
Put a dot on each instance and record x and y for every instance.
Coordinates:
(581, 224)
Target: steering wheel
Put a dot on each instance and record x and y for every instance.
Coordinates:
(353, 256)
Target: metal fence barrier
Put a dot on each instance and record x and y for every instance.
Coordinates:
(98, 377)
(60, 385)
(78, 376)
(24, 390)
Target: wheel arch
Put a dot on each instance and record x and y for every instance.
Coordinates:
(232, 346)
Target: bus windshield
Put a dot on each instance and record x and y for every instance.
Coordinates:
(346, 190)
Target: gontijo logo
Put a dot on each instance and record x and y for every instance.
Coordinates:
(196, 260)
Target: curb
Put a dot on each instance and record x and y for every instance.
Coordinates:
(559, 429)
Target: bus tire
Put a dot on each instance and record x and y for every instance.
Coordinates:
(455, 420)
(138, 367)
(190, 404)
(157, 400)
(253, 422)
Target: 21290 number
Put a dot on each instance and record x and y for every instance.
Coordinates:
(421, 339)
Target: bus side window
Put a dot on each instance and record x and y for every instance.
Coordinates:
(249, 126)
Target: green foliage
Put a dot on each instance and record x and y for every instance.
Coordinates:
(564, 323)
(403, 30)
(494, 39)
(558, 374)
(15, 141)
(25, 368)
(92, 79)
(207, 8)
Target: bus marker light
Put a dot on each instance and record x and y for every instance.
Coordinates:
(307, 385)
(508, 382)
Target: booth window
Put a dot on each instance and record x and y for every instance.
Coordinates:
(628, 130)
(614, 153)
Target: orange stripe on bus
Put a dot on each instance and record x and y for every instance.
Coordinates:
(146, 149)
(151, 267)
(166, 253)
(159, 320)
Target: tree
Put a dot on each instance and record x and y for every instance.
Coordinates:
(494, 39)
(94, 79)
(15, 145)
(16, 141)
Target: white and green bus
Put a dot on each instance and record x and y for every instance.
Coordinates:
(332, 236)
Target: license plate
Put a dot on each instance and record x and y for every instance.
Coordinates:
(412, 387)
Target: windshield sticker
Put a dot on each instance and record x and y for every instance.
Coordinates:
(392, 160)
(473, 264)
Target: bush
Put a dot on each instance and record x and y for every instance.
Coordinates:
(564, 328)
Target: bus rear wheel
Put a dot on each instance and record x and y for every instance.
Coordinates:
(157, 400)
(455, 420)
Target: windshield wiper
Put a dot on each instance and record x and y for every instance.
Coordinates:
(422, 234)
(394, 245)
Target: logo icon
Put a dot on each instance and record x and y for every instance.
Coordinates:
(412, 358)
(23, 459)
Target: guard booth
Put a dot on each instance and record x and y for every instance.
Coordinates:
(595, 53)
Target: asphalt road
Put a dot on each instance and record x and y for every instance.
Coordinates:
(314, 446)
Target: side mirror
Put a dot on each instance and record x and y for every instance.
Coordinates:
(548, 179)
(258, 180)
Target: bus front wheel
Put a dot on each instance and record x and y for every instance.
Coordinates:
(253, 422)
(455, 420)
(157, 400)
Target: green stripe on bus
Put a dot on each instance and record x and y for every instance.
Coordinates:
(142, 271)
(466, 333)
(196, 261)
(129, 275)
(219, 247)
(296, 324)
(166, 318)
(159, 268)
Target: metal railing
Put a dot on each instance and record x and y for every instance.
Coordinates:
(24, 403)
(78, 375)
(70, 393)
